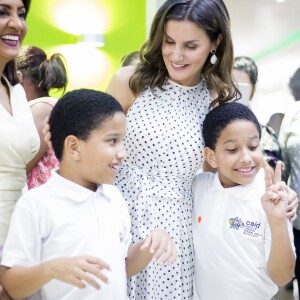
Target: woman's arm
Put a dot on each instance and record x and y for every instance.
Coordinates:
(39, 112)
(119, 87)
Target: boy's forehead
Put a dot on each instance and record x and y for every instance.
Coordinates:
(239, 128)
(115, 122)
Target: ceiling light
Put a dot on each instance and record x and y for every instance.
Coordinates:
(93, 40)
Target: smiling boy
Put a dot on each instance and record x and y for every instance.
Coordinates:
(72, 235)
(242, 238)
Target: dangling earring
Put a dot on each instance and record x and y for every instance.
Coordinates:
(213, 58)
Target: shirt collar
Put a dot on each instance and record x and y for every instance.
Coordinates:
(72, 190)
(244, 192)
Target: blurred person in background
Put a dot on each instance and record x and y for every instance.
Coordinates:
(131, 59)
(289, 138)
(38, 75)
(245, 71)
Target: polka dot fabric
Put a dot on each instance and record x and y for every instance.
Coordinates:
(164, 151)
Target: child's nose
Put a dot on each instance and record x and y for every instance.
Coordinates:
(245, 158)
(121, 153)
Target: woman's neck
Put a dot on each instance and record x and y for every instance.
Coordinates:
(31, 91)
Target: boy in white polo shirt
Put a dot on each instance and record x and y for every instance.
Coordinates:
(72, 235)
(242, 238)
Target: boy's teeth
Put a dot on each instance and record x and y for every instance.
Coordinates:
(245, 170)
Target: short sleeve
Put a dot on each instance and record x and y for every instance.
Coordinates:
(125, 216)
(127, 228)
(200, 183)
(23, 243)
(126, 223)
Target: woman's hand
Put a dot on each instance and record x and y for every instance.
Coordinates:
(292, 204)
(47, 132)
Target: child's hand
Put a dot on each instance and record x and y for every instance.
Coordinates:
(47, 133)
(159, 243)
(77, 270)
(275, 200)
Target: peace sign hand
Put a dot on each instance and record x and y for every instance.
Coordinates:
(291, 210)
(275, 199)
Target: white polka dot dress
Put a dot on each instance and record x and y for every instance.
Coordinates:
(164, 151)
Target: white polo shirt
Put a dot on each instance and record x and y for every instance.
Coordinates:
(232, 241)
(64, 219)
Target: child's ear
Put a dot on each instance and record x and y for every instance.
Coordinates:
(72, 147)
(210, 157)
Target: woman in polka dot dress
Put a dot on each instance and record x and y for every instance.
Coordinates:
(186, 63)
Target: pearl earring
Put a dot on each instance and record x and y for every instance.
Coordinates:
(213, 58)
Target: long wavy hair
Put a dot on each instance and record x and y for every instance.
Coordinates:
(10, 71)
(211, 16)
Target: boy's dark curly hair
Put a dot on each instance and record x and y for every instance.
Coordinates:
(78, 113)
(223, 115)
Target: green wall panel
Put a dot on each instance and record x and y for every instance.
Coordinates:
(126, 30)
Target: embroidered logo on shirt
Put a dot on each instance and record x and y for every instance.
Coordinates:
(199, 219)
(248, 227)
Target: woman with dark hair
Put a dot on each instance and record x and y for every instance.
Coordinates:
(185, 69)
(20, 140)
(38, 75)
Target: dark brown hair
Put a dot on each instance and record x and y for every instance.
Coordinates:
(294, 84)
(44, 73)
(10, 71)
(211, 16)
